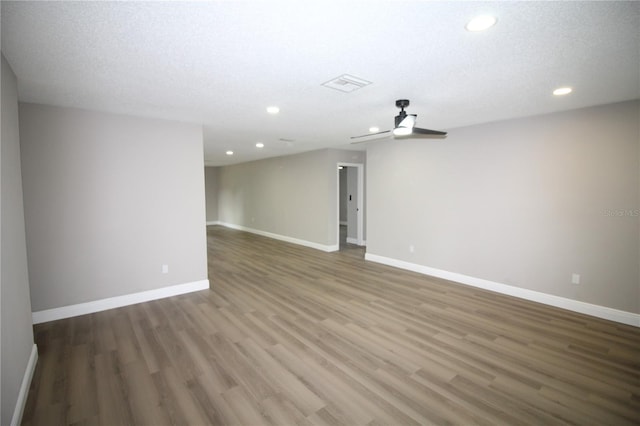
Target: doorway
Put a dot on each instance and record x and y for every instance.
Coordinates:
(350, 212)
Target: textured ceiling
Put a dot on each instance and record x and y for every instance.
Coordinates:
(222, 63)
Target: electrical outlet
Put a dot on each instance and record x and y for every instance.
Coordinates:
(412, 249)
(575, 278)
(165, 269)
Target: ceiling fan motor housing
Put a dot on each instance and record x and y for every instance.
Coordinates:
(402, 103)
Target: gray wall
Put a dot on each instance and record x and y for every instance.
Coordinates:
(522, 202)
(15, 311)
(211, 192)
(283, 195)
(294, 196)
(108, 200)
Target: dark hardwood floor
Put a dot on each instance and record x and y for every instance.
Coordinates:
(293, 336)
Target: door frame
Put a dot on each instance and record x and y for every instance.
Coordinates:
(360, 202)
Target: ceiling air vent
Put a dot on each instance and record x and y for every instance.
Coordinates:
(346, 83)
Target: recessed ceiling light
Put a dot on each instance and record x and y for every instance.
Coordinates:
(562, 91)
(259, 145)
(481, 23)
(374, 129)
(273, 109)
(229, 152)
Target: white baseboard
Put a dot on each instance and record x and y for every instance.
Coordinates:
(18, 411)
(351, 240)
(213, 222)
(292, 240)
(117, 301)
(604, 312)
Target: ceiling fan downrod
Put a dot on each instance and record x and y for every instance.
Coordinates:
(402, 104)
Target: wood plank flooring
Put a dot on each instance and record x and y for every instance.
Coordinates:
(293, 336)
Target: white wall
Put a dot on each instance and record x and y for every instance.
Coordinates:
(16, 327)
(108, 200)
(211, 192)
(522, 202)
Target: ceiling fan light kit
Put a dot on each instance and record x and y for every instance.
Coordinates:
(402, 131)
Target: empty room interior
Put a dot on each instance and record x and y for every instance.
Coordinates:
(320, 213)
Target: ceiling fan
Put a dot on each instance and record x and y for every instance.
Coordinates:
(404, 125)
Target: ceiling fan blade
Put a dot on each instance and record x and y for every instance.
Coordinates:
(377, 137)
(419, 131)
(370, 134)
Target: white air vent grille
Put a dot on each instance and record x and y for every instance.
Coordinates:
(346, 83)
